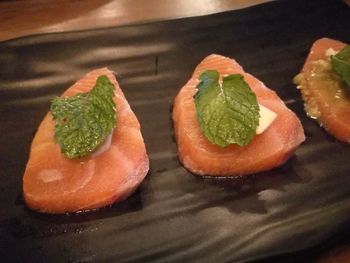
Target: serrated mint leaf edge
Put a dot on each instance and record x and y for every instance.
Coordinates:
(102, 82)
(341, 64)
(213, 83)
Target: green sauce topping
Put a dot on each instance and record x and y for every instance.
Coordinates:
(227, 113)
(83, 121)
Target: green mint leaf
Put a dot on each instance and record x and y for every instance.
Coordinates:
(83, 121)
(341, 64)
(227, 114)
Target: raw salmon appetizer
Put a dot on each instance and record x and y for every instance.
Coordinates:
(53, 183)
(267, 150)
(326, 98)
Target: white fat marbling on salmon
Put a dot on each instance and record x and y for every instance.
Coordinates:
(133, 179)
(89, 171)
(124, 111)
(55, 175)
(122, 159)
(50, 175)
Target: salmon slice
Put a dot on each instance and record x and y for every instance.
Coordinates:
(325, 99)
(266, 151)
(53, 183)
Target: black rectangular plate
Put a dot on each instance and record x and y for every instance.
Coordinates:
(175, 216)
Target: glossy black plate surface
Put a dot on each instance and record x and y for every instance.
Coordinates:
(174, 216)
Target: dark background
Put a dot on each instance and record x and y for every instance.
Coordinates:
(292, 213)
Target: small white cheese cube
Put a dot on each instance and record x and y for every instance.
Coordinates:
(267, 116)
(330, 52)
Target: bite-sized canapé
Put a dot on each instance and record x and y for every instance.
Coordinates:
(229, 123)
(324, 83)
(88, 151)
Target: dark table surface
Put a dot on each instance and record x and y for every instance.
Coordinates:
(27, 17)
